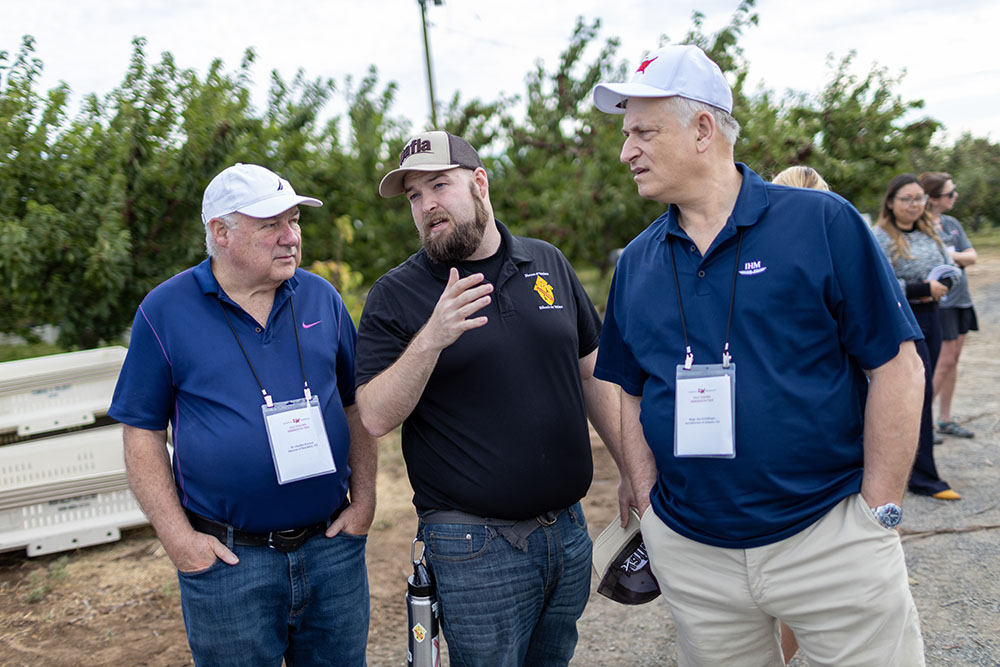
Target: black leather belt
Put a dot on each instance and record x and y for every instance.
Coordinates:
(456, 516)
(285, 541)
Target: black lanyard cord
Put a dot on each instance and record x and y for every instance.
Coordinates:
(267, 398)
(732, 299)
(291, 305)
(688, 355)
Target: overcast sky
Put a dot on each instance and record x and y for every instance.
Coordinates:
(480, 48)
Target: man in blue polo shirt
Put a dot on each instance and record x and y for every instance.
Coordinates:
(771, 391)
(251, 362)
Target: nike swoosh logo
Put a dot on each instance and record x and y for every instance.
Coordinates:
(310, 326)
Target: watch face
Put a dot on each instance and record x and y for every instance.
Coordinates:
(889, 515)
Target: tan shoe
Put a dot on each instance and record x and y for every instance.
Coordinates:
(947, 494)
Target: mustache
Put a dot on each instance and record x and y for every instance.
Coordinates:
(431, 218)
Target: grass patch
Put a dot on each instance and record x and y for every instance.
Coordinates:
(42, 582)
(985, 238)
(28, 350)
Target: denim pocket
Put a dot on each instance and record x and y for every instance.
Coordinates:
(218, 563)
(576, 515)
(352, 535)
(456, 542)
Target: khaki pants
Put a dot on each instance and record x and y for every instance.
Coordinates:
(840, 584)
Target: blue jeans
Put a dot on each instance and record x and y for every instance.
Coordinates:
(503, 607)
(308, 607)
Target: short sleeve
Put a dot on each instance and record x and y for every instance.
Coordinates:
(872, 313)
(962, 241)
(382, 337)
(144, 394)
(346, 348)
(588, 321)
(615, 361)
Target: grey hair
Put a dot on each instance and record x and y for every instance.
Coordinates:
(211, 247)
(685, 110)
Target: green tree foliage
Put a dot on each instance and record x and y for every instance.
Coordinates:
(29, 225)
(854, 133)
(863, 140)
(347, 173)
(558, 176)
(974, 164)
(98, 208)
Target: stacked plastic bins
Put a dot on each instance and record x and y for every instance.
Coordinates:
(62, 471)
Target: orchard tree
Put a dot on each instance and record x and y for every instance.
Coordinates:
(556, 173)
(974, 164)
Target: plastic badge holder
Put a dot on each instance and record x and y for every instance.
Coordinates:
(621, 561)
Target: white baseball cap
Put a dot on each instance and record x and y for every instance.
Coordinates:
(620, 560)
(251, 190)
(671, 71)
(430, 151)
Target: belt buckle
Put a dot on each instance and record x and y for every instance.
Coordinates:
(543, 519)
(286, 541)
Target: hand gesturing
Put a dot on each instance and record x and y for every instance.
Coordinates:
(460, 299)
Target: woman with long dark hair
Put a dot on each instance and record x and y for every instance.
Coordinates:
(914, 248)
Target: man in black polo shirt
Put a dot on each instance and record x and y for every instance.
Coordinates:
(482, 346)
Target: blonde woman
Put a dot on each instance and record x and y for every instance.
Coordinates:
(908, 238)
(801, 176)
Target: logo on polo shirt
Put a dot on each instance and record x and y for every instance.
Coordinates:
(544, 290)
(752, 268)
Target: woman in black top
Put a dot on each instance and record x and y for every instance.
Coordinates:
(909, 240)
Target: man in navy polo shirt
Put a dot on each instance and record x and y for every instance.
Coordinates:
(482, 346)
(771, 391)
(251, 362)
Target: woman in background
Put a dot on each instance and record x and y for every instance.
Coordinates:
(801, 177)
(907, 237)
(958, 317)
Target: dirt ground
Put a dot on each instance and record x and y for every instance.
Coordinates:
(118, 604)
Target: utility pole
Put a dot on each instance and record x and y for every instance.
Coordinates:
(427, 55)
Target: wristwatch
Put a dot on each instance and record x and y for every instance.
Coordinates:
(889, 515)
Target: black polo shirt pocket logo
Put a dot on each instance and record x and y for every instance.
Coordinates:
(544, 290)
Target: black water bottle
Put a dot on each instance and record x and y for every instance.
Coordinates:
(422, 614)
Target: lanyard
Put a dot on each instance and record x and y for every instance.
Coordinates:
(267, 398)
(688, 355)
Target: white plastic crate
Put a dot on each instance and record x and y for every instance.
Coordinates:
(62, 470)
(59, 391)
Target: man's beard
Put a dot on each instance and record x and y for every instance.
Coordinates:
(464, 237)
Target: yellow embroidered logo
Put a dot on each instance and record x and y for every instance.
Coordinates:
(544, 290)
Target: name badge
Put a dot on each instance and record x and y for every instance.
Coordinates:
(297, 435)
(705, 411)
